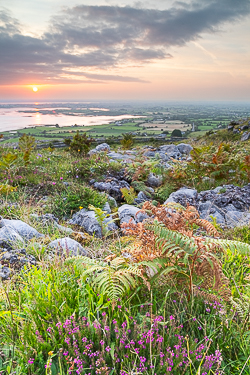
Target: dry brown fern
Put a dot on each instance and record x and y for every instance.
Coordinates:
(167, 235)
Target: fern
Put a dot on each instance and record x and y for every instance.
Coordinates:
(113, 278)
(128, 194)
(172, 241)
(234, 246)
(100, 216)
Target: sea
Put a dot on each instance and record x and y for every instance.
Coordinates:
(20, 116)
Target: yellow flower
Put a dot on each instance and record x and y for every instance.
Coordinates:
(80, 207)
(50, 353)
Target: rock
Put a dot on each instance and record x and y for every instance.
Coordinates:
(5, 245)
(112, 186)
(141, 197)
(25, 230)
(63, 229)
(163, 156)
(111, 225)
(68, 246)
(219, 218)
(87, 220)
(153, 180)
(15, 260)
(107, 208)
(127, 212)
(115, 155)
(5, 272)
(169, 149)
(7, 233)
(103, 147)
(149, 154)
(245, 136)
(237, 218)
(184, 148)
(183, 196)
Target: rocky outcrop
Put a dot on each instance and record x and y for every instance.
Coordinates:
(229, 204)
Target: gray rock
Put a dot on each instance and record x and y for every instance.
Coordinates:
(205, 206)
(87, 220)
(141, 197)
(25, 230)
(149, 154)
(169, 149)
(5, 273)
(245, 136)
(154, 181)
(103, 147)
(127, 212)
(163, 156)
(237, 218)
(184, 148)
(63, 229)
(5, 245)
(111, 225)
(183, 196)
(68, 246)
(112, 187)
(107, 208)
(115, 155)
(219, 218)
(7, 233)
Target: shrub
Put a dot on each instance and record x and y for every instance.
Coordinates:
(127, 141)
(176, 133)
(79, 145)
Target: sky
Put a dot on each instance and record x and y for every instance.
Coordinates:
(125, 50)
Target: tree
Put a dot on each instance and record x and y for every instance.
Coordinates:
(176, 133)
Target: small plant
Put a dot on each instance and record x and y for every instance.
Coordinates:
(79, 145)
(26, 143)
(128, 194)
(101, 217)
(127, 141)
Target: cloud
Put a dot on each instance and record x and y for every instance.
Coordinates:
(104, 37)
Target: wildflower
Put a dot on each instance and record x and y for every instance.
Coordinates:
(119, 306)
(50, 353)
(171, 317)
(31, 361)
(76, 176)
(80, 207)
(61, 178)
(53, 183)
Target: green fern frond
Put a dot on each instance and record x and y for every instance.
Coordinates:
(172, 241)
(128, 194)
(234, 246)
(112, 279)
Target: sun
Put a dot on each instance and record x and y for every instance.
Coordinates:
(35, 89)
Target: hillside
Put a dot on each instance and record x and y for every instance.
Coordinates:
(126, 258)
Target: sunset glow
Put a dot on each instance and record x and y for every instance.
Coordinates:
(98, 49)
